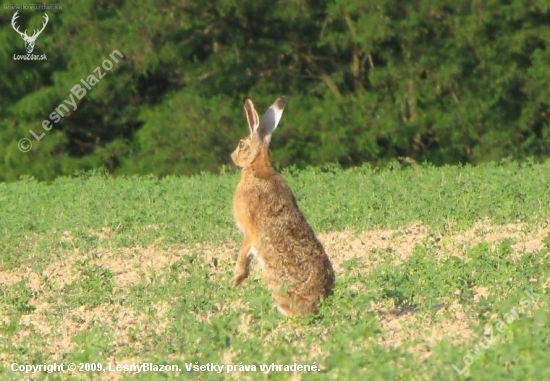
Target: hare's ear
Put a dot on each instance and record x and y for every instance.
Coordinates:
(251, 115)
(271, 119)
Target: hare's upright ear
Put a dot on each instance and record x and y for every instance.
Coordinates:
(271, 119)
(251, 115)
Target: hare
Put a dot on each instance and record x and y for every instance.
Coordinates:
(294, 264)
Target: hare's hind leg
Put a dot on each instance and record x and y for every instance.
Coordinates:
(283, 310)
(283, 304)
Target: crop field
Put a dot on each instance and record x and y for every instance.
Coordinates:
(442, 274)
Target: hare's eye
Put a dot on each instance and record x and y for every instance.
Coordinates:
(241, 144)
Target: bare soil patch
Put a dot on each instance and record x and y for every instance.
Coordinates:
(131, 266)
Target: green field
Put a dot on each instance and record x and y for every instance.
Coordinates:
(429, 263)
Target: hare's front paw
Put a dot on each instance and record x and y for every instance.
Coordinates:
(239, 277)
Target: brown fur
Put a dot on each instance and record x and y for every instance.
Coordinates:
(296, 267)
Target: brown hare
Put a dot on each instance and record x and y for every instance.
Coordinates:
(294, 264)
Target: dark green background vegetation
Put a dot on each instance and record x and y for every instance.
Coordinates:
(366, 81)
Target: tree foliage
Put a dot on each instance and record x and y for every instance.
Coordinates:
(366, 81)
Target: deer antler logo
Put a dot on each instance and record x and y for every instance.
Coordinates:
(29, 41)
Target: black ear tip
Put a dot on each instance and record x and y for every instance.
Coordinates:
(281, 102)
